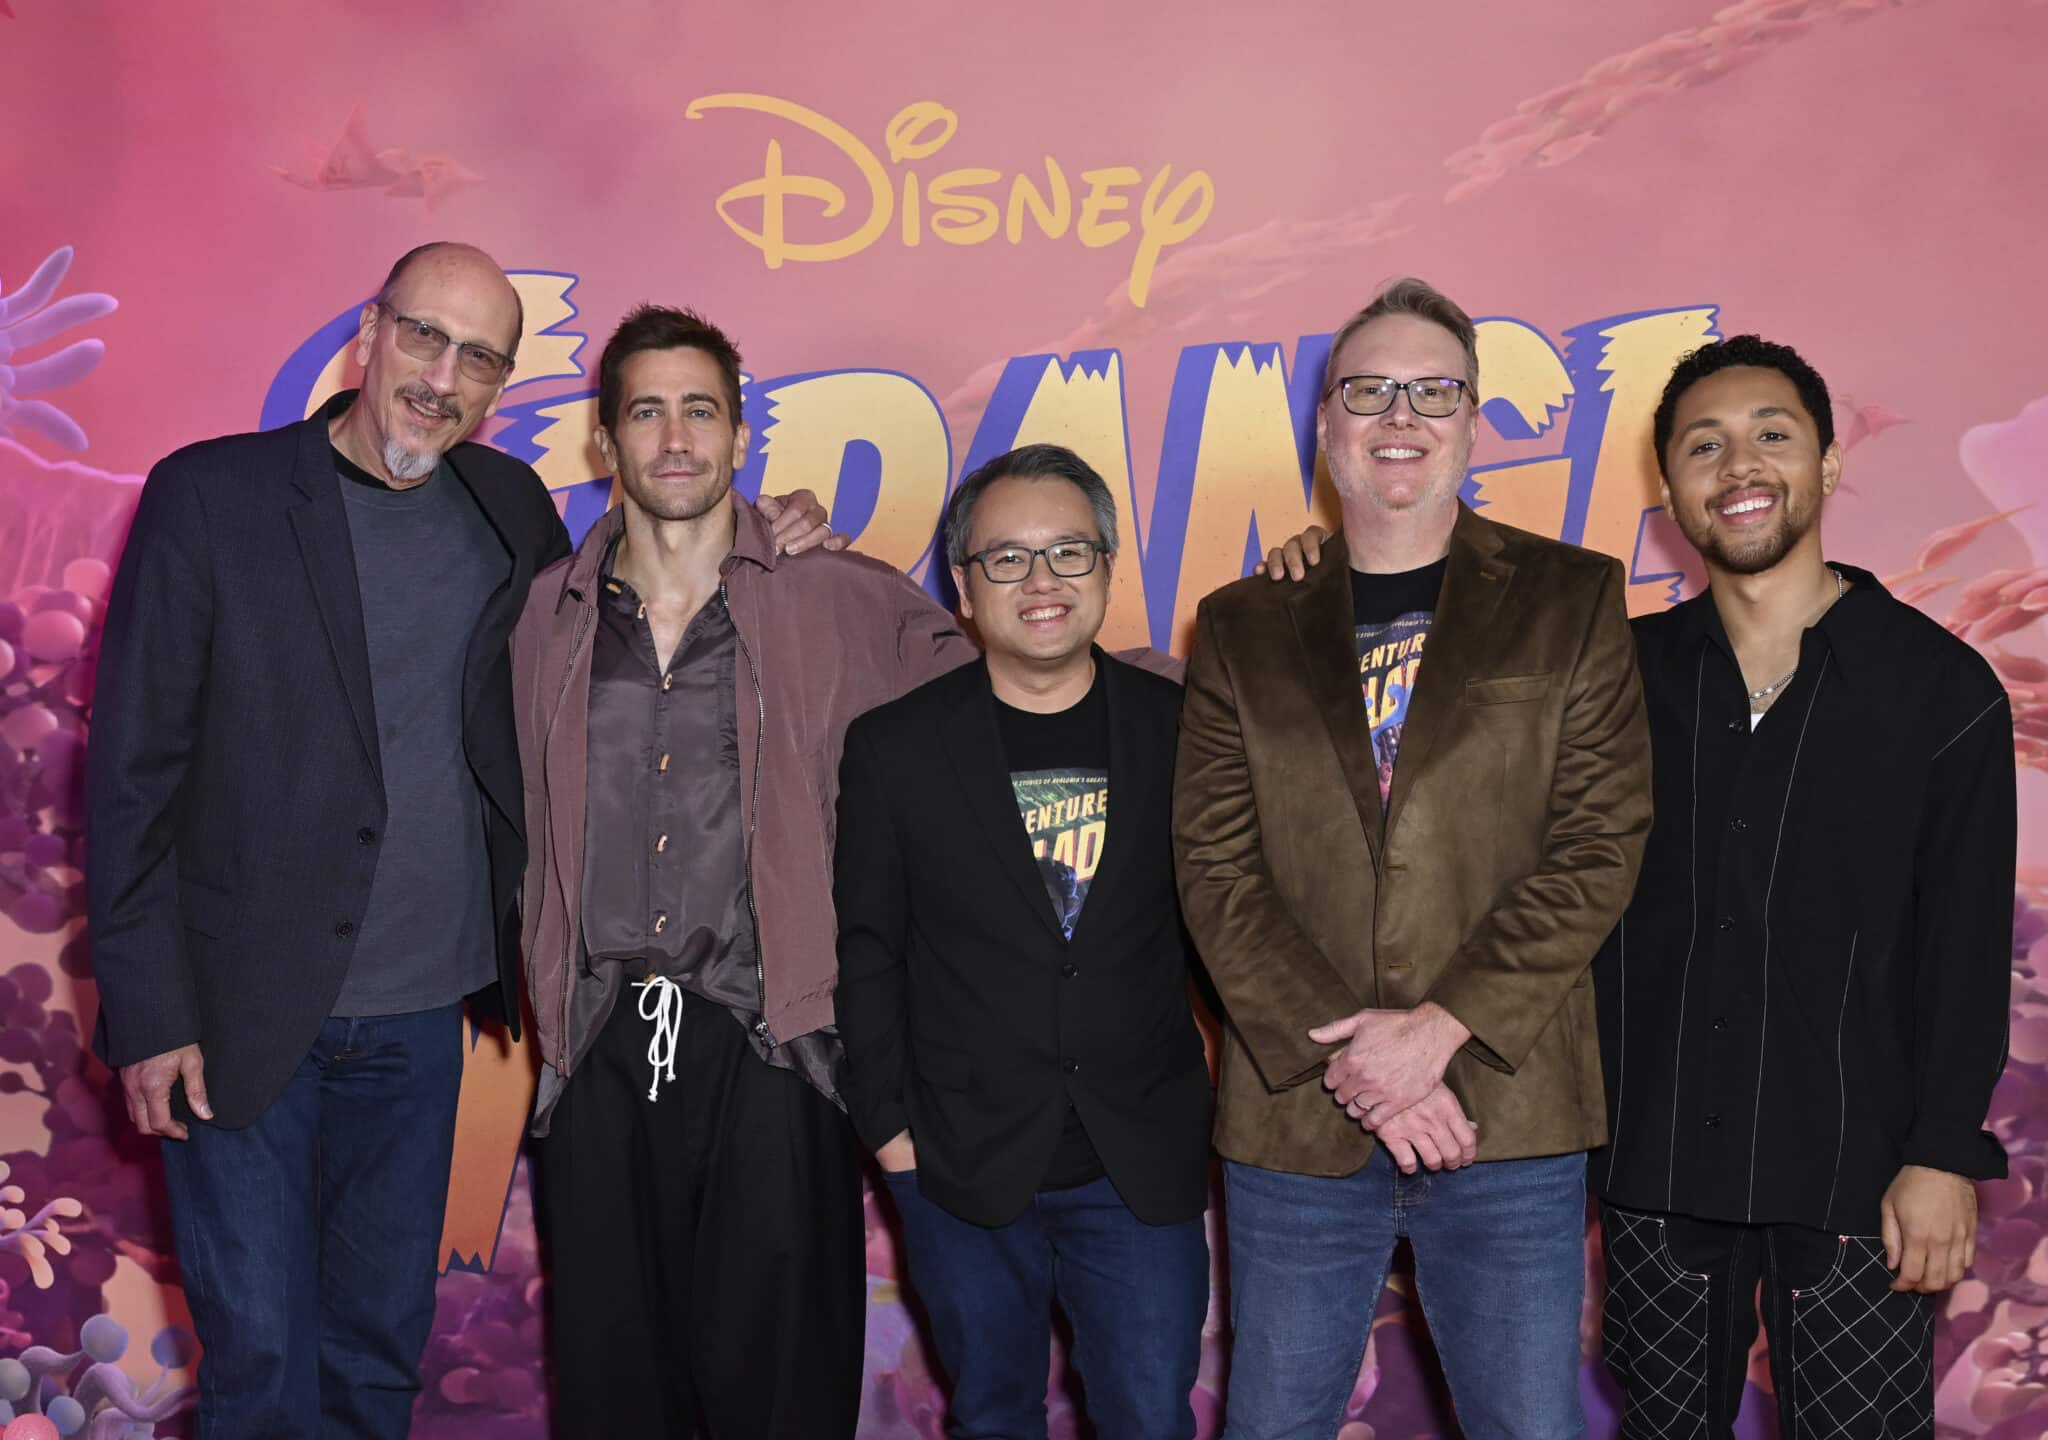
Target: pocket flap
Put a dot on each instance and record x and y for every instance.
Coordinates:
(205, 908)
(1507, 689)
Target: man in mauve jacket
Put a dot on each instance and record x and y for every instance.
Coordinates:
(682, 694)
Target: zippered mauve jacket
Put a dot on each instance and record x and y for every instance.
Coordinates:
(823, 637)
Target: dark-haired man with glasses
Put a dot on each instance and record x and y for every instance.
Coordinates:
(305, 804)
(1020, 1054)
(1411, 797)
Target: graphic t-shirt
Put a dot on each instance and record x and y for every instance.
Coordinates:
(1059, 772)
(1391, 616)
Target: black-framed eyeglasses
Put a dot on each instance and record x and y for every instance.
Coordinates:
(1433, 395)
(425, 342)
(1010, 564)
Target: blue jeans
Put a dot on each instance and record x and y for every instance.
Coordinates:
(1136, 1295)
(309, 1242)
(1500, 1268)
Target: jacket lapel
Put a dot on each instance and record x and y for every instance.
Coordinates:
(974, 749)
(491, 623)
(1460, 635)
(561, 702)
(1129, 775)
(1320, 607)
(321, 524)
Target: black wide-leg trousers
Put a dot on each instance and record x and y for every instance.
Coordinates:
(706, 1249)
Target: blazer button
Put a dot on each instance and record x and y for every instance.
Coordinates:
(1727, 923)
(1713, 1122)
(344, 928)
(1070, 1066)
(1070, 970)
(366, 836)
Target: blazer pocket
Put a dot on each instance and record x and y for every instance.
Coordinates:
(941, 1067)
(1507, 689)
(204, 908)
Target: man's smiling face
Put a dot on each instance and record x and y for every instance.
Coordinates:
(1398, 460)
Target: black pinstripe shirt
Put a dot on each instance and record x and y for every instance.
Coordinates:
(1810, 987)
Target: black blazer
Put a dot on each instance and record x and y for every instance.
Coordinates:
(965, 1014)
(233, 788)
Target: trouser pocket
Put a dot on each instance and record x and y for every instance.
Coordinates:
(1856, 1357)
(1654, 1327)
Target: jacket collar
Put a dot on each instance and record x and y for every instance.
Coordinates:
(313, 473)
(752, 543)
(1852, 628)
(1475, 580)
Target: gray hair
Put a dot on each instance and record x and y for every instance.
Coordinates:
(1030, 462)
(1410, 296)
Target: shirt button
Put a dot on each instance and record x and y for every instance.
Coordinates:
(660, 921)
(661, 845)
(1727, 923)
(1070, 970)
(1070, 1066)
(1720, 1022)
(1713, 1122)
(344, 928)
(366, 836)
(661, 766)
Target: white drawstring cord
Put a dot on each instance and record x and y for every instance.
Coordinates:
(667, 1016)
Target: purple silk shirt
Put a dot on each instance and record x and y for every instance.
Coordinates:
(665, 881)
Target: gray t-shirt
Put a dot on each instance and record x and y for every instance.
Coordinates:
(426, 561)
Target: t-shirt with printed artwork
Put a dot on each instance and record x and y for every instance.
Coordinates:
(1391, 616)
(1059, 773)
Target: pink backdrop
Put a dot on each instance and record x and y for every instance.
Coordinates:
(193, 196)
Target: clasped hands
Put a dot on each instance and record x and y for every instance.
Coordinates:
(1389, 1078)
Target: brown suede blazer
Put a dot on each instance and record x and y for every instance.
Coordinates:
(1509, 846)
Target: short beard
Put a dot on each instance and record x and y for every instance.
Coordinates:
(688, 506)
(403, 464)
(1765, 552)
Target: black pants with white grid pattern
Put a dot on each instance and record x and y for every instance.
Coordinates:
(1851, 1359)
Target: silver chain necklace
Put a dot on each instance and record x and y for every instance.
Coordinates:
(1756, 697)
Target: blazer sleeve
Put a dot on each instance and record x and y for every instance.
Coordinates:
(871, 896)
(148, 703)
(1514, 970)
(1274, 980)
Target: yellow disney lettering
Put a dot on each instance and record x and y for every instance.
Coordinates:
(906, 133)
(947, 205)
(1093, 231)
(959, 218)
(775, 186)
(1168, 223)
(1052, 220)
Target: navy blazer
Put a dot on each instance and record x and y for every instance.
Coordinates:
(233, 785)
(966, 1015)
